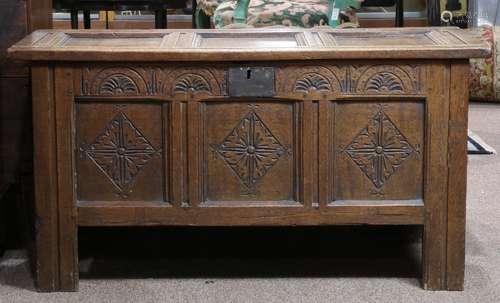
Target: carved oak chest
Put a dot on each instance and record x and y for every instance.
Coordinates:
(250, 127)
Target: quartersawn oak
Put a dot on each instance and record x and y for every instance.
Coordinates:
(253, 127)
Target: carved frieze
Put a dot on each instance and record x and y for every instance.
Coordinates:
(150, 81)
(384, 79)
(327, 80)
(118, 81)
(192, 81)
(351, 79)
(310, 79)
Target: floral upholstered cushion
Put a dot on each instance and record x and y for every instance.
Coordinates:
(208, 6)
(301, 13)
(485, 73)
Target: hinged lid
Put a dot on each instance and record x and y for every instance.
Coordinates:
(249, 44)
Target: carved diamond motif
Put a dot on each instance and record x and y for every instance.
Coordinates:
(120, 151)
(250, 150)
(379, 149)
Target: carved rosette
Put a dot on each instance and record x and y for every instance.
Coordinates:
(118, 81)
(120, 152)
(385, 79)
(118, 84)
(139, 80)
(250, 150)
(192, 81)
(309, 79)
(312, 82)
(380, 149)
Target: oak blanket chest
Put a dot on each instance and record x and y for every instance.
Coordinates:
(250, 127)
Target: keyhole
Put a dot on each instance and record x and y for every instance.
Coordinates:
(249, 74)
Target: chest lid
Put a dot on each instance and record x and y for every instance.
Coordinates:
(249, 44)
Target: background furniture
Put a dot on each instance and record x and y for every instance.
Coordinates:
(433, 12)
(399, 4)
(485, 72)
(302, 13)
(276, 131)
(158, 6)
(17, 19)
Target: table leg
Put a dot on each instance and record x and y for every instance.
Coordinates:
(74, 19)
(86, 19)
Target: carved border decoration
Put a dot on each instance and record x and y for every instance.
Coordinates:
(328, 80)
(351, 79)
(137, 80)
(385, 79)
(118, 84)
(308, 79)
(118, 81)
(191, 83)
(379, 149)
(194, 81)
(250, 150)
(312, 81)
(120, 152)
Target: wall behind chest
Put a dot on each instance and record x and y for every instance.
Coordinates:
(17, 19)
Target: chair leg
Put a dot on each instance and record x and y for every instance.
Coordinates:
(400, 13)
(193, 12)
(433, 13)
(157, 19)
(161, 18)
(86, 19)
(74, 19)
(164, 18)
(202, 20)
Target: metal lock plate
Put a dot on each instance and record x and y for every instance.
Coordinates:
(251, 82)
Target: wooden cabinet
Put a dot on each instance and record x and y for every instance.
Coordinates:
(250, 127)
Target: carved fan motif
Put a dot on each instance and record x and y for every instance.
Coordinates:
(120, 151)
(312, 81)
(379, 149)
(385, 82)
(191, 82)
(118, 84)
(250, 150)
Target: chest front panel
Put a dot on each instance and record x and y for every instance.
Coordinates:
(194, 136)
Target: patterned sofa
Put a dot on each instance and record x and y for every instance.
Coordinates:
(301, 13)
(485, 73)
(261, 13)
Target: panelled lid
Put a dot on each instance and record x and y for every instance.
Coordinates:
(250, 44)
